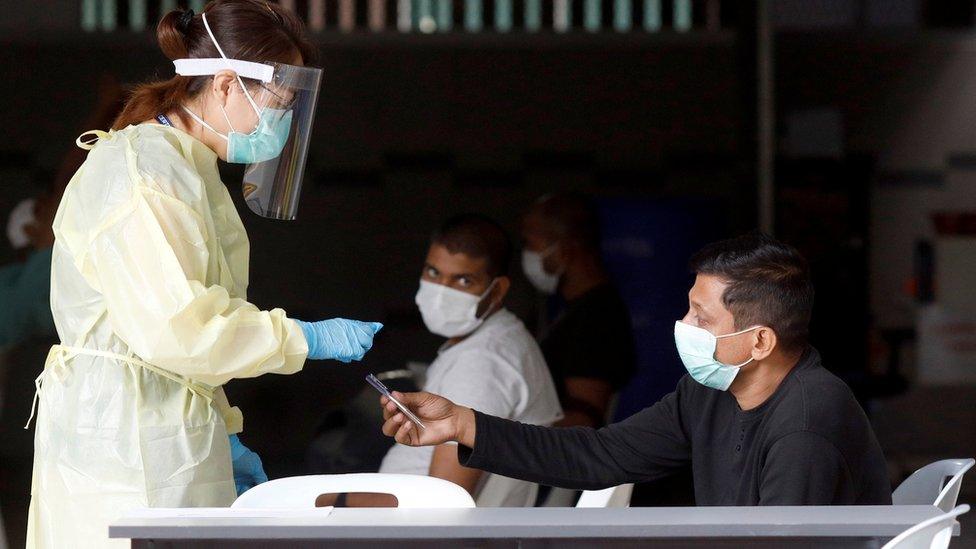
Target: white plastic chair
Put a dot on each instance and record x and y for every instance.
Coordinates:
(411, 491)
(618, 496)
(928, 485)
(500, 491)
(935, 533)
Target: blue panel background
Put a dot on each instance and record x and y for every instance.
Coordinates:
(646, 245)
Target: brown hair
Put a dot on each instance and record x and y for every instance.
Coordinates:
(251, 30)
(768, 284)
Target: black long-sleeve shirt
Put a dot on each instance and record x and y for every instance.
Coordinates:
(808, 444)
(592, 338)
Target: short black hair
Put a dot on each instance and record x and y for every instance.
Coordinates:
(768, 284)
(570, 216)
(477, 236)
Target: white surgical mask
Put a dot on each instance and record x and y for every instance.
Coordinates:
(20, 218)
(448, 312)
(532, 266)
(696, 347)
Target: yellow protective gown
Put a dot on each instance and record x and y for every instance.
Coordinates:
(148, 290)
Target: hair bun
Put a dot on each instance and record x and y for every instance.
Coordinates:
(171, 34)
(183, 25)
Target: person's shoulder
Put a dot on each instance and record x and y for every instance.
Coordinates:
(821, 388)
(163, 158)
(157, 146)
(502, 333)
(149, 148)
(816, 400)
(476, 354)
(139, 139)
(145, 158)
(502, 343)
(102, 184)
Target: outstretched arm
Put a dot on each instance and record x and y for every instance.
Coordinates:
(648, 445)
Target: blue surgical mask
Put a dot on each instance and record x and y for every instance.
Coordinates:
(265, 142)
(696, 347)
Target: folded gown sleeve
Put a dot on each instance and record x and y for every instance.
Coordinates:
(149, 259)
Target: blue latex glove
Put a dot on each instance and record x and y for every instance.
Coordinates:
(339, 339)
(248, 469)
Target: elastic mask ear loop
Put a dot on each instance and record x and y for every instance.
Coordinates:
(484, 295)
(737, 366)
(740, 332)
(204, 124)
(220, 50)
(250, 100)
(230, 125)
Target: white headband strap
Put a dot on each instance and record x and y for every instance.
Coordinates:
(206, 67)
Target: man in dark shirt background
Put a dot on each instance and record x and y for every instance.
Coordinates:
(758, 417)
(589, 346)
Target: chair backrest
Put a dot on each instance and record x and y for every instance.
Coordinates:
(411, 491)
(928, 485)
(934, 533)
(3, 535)
(500, 491)
(618, 496)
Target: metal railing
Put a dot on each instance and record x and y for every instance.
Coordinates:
(442, 16)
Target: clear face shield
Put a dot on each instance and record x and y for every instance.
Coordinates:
(272, 186)
(274, 152)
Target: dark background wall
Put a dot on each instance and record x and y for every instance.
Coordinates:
(411, 129)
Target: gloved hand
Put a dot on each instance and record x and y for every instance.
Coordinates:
(339, 339)
(248, 470)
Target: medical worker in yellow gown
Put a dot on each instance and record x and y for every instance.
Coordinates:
(149, 280)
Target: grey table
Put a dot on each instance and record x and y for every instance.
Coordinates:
(859, 526)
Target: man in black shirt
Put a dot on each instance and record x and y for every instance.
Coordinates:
(589, 346)
(758, 417)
